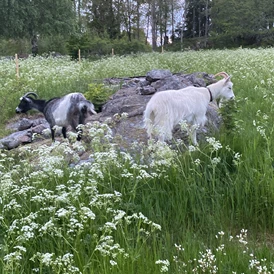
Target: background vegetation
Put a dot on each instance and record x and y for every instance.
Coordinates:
(205, 210)
(130, 26)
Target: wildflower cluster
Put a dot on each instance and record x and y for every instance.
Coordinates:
(49, 200)
(261, 123)
(164, 265)
(211, 260)
(161, 156)
(214, 157)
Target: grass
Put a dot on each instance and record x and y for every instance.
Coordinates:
(205, 210)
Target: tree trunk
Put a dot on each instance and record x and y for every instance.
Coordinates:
(206, 24)
(153, 25)
(148, 22)
(193, 22)
(172, 20)
(138, 21)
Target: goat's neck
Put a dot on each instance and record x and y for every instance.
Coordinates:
(215, 89)
(39, 105)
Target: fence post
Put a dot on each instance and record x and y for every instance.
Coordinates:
(112, 51)
(79, 55)
(17, 65)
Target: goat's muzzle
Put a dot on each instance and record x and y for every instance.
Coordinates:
(18, 110)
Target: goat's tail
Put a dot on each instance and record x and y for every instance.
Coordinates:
(149, 118)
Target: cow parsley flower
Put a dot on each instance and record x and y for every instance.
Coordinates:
(164, 265)
(215, 145)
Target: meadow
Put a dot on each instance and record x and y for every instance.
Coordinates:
(207, 209)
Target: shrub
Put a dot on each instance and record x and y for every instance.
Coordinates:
(52, 43)
(8, 47)
(123, 46)
(93, 46)
(98, 94)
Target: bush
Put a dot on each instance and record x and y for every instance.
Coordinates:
(8, 47)
(52, 43)
(98, 94)
(46, 44)
(93, 46)
(123, 46)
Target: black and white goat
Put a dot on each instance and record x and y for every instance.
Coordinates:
(168, 108)
(70, 110)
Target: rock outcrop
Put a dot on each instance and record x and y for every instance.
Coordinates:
(132, 99)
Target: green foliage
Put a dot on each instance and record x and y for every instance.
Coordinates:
(26, 18)
(8, 47)
(46, 45)
(76, 42)
(248, 23)
(213, 203)
(52, 44)
(229, 114)
(103, 19)
(94, 46)
(122, 46)
(98, 94)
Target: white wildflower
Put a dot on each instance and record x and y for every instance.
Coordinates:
(192, 148)
(197, 162)
(113, 263)
(216, 145)
(215, 161)
(164, 265)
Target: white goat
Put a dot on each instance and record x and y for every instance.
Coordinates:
(168, 108)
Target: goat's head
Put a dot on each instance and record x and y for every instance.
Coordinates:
(26, 102)
(226, 89)
(86, 111)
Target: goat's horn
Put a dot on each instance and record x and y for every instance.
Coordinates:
(224, 74)
(31, 93)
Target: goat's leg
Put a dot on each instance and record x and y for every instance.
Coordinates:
(64, 132)
(82, 115)
(79, 136)
(75, 123)
(162, 129)
(193, 135)
(52, 134)
(81, 121)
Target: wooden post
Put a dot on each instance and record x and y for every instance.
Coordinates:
(79, 55)
(17, 65)
(112, 52)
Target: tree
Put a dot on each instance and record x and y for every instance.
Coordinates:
(103, 19)
(153, 24)
(197, 18)
(25, 18)
(80, 7)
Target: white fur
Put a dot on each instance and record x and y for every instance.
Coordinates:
(168, 108)
(60, 113)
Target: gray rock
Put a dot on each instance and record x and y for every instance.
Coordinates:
(158, 74)
(40, 128)
(173, 82)
(132, 99)
(15, 139)
(125, 100)
(146, 90)
(25, 124)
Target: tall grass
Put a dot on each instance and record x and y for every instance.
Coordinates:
(207, 209)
